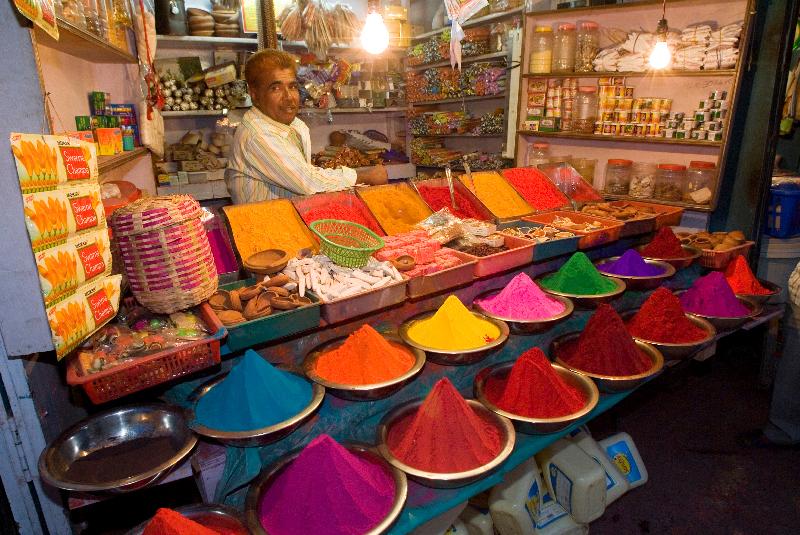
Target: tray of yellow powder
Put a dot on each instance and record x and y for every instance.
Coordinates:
(266, 225)
(454, 335)
(497, 195)
(518, 252)
(364, 366)
(397, 207)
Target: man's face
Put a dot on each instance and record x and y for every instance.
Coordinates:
(277, 95)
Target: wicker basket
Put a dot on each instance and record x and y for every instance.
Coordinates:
(347, 244)
(165, 252)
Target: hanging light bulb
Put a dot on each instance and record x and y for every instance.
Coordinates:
(661, 56)
(374, 36)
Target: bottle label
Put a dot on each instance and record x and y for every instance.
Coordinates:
(562, 487)
(621, 455)
(542, 509)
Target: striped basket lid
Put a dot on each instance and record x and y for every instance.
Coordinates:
(153, 213)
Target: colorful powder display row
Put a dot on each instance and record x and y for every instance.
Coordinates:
(630, 264)
(536, 188)
(523, 300)
(664, 245)
(741, 279)
(397, 208)
(438, 197)
(453, 327)
(712, 296)
(497, 194)
(341, 206)
(662, 319)
(578, 276)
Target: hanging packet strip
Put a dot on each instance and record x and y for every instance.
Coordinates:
(46, 162)
(41, 13)
(80, 315)
(52, 216)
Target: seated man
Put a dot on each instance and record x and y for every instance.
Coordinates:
(271, 153)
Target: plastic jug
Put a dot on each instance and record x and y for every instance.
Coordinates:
(477, 522)
(521, 505)
(616, 483)
(622, 451)
(575, 480)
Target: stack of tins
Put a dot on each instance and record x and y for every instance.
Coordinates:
(165, 252)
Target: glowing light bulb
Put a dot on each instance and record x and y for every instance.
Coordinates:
(660, 57)
(374, 36)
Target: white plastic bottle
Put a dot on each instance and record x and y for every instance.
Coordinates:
(622, 451)
(616, 483)
(521, 505)
(576, 481)
(477, 522)
(440, 524)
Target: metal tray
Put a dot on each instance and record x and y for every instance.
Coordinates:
(360, 304)
(458, 186)
(520, 253)
(278, 325)
(346, 199)
(549, 249)
(443, 280)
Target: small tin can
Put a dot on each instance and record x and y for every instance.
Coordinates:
(672, 123)
(689, 124)
(669, 133)
(666, 104)
(680, 116)
(715, 136)
(598, 127)
(566, 124)
(718, 95)
(623, 116)
(609, 129)
(638, 130)
(628, 129)
(629, 92)
(607, 116)
(706, 104)
(680, 134)
(695, 134)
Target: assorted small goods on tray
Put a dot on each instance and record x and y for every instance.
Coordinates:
(538, 234)
(273, 294)
(619, 210)
(587, 226)
(717, 241)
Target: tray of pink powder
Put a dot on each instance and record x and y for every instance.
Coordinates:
(524, 306)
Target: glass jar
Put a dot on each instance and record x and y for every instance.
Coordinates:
(587, 45)
(541, 50)
(537, 153)
(585, 167)
(701, 178)
(564, 48)
(585, 110)
(643, 180)
(618, 176)
(670, 180)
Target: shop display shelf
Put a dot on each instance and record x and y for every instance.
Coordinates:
(107, 163)
(608, 7)
(84, 45)
(364, 303)
(492, 17)
(389, 109)
(519, 253)
(464, 61)
(205, 191)
(659, 202)
(549, 249)
(194, 113)
(338, 47)
(193, 41)
(619, 139)
(458, 99)
(648, 74)
(447, 279)
(477, 136)
(611, 231)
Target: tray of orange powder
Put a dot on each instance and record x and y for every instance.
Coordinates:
(593, 231)
(519, 253)
(397, 207)
(344, 205)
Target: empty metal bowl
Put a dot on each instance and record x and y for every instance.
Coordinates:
(538, 426)
(455, 357)
(118, 450)
(588, 301)
(363, 392)
(610, 383)
(255, 437)
(215, 515)
(265, 479)
(761, 299)
(518, 326)
(441, 480)
(640, 283)
(728, 324)
(692, 254)
(679, 351)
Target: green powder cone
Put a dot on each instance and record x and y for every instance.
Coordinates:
(578, 276)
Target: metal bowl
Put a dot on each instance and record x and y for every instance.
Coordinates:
(728, 324)
(222, 515)
(518, 326)
(538, 426)
(111, 428)
(264, 480)
(588, 301)
(611, 383)
(255, 437)
(455, 357)
(678, 263)
(761, 299)
(362, 392)
(678, 351)
(442, 480)
(640, 283)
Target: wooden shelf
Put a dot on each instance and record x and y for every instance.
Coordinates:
(458, 100)
(687, 205)
(391, 109)
(464, 61)
(476, 136)
(609, 7)
(192, 41)
(107, 163)
(82, 44)
(651, 74)
(193, 113)
(340, 47)
(615, 139)
(492, 17)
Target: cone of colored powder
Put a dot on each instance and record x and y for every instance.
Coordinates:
(534, 389)
(664, 245)
(327, 490)
(605, 347)
(662, 319)
(254, 395)
(741, 279)
(523, 300)
(631, 264)
(364, 358)
(445, 435)
(453, 327)
(712, 296)
(578, 276)
(169, 522)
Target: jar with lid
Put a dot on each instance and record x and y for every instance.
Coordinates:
(564, 48)
(670, 180)
(537, 154)
(587, 46)
(585, 110)
(541, 50)
(700, 180)
(618, 176)
(643, 180)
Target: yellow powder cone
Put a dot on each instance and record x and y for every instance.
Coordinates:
(453, 327)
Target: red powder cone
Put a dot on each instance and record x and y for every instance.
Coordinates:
(661, 319)
(169, 522)
(664, 245)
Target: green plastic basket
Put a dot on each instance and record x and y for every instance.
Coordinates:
(348, 244)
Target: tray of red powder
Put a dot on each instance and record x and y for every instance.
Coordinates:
(609, 232)
(435, 193)
(535, 187)
(446, 279)
(344, 205)
(519, 253)
(571, 183)
(219, 518)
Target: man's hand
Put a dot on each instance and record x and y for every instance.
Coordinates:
(372, 176)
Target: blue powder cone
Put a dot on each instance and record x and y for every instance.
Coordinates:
(255, 394)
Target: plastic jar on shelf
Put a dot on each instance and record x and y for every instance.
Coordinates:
(541, 56)
(670, 180)
(701, 178)
(564, 48)
(643, 180)
(587, 45)
(585, 110)
(537, 153)
(618, 176)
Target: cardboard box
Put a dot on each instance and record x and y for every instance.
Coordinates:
(109, 141)
(191, 166)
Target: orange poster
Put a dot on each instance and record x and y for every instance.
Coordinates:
(41, 12)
